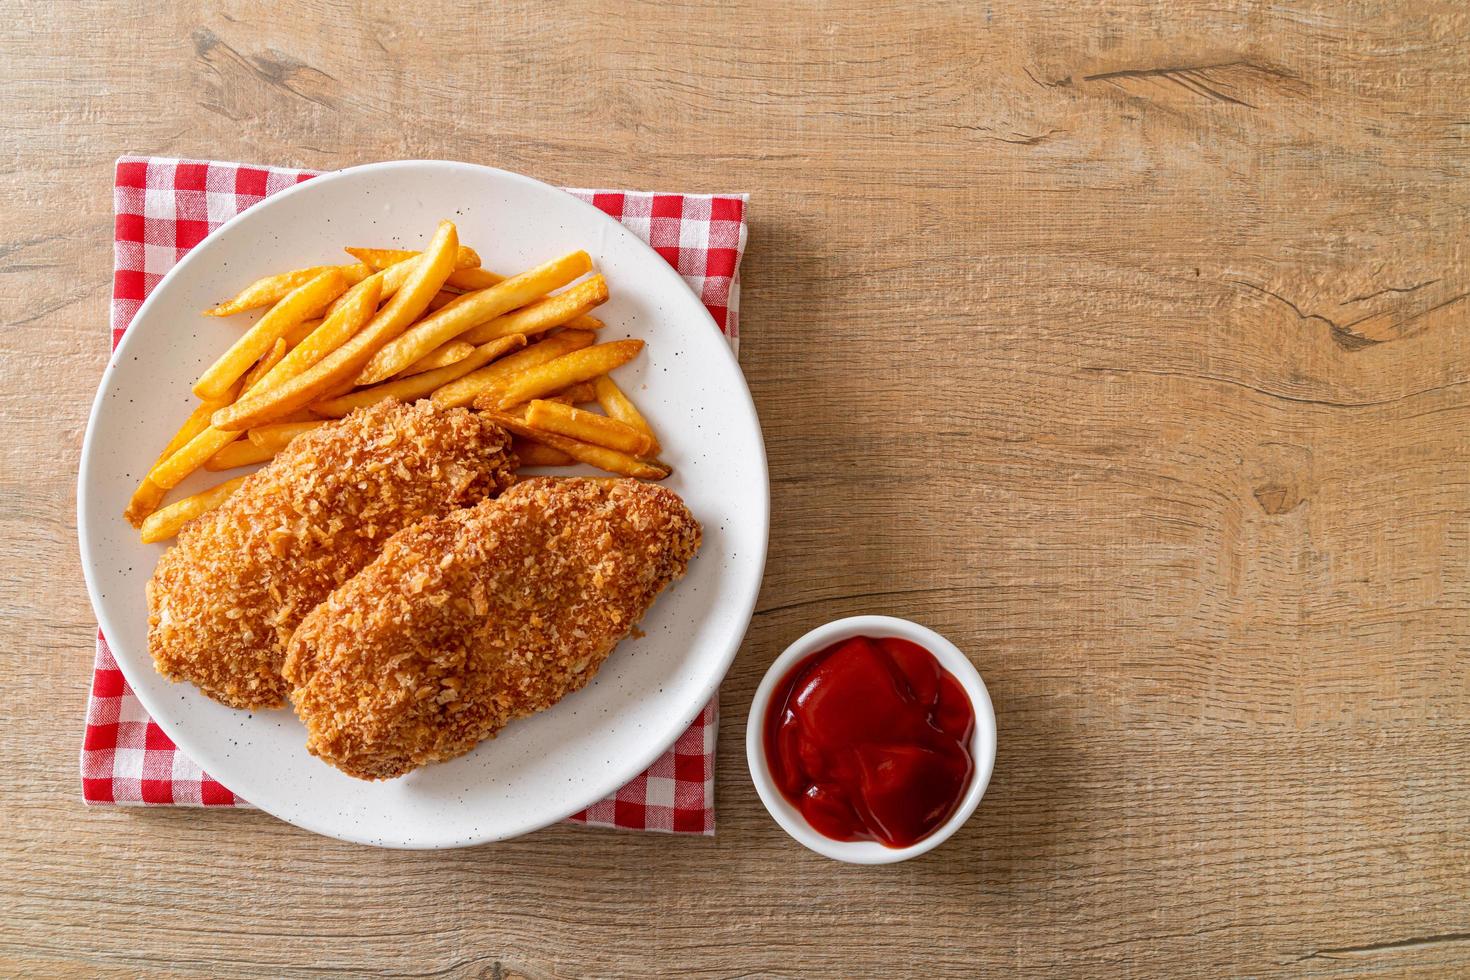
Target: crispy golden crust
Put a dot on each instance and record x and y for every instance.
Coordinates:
(491, 613)
(225, 599)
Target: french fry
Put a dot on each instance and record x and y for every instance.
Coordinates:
(578, 394)
(212, 445)
(471, 279)
(241, 452)
(259, 369)
(196, 423)
(618, 406)
(303, 329)
(331, 333)
(464, 390)
(419, 385)
(144, 501)
(290, 311)
(598, 456)
(190, 456)
(149, 495)
(278, 435)
(337, 391)
(381, 278)
(464, 277)
(381, 258)
(450, 353)
(166, 523)
(342, 364)
(567, 396)
(353, 274)
(567, 370)
(588, 427)
(533, 453)
(394, 276)
(442, 299)
(542, 315)
(273, 289)
(470, 310)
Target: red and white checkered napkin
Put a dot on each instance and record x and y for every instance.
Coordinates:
(164, 208)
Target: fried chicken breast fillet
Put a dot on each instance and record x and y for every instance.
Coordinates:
(224, 600)
(491, 613)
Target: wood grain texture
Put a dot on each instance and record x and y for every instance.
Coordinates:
(1126, 344)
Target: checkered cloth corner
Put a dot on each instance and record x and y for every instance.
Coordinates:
(163, 208)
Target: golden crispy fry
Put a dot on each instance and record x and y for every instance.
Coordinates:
(298, 305)
(393, 278)
(382, 258)
(618, 406)
(259, 369)
(567, 370)
(320, 313)
(334, 392)
(241, 452)
(470, 310)
(360, 303)
(303, 329)
(196, 423)
(276, 435)
(472, 279)
(450, 353)
(533, 453)
(542, 315)
(420, 385)
(442, 299)
(149, 495)
(273, 289)
(144, 501)
(588, 427)
(381, 278)
(567, 396)
(598, 456)
(267, 291)
(341, 365)
(189, 457)
(167, 522)
(334, 331)
(488, 379)
(578, 394)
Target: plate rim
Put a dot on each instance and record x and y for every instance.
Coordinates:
(745, 604)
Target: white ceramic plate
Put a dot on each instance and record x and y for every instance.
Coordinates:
(540, 769)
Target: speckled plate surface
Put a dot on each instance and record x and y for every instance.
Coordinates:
(540, 769)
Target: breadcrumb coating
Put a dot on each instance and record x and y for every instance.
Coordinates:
(491, 613)
(224, 600)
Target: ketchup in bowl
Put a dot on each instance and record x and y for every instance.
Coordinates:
(870, 739)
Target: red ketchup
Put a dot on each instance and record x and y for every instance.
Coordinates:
(870, 740)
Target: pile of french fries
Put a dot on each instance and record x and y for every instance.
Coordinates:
(407, 325)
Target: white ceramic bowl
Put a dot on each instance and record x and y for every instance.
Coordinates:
(982, 744)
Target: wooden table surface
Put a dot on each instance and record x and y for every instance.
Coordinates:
(1126, 344)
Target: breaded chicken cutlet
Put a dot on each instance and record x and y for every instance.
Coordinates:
(491, 613)
(224, 600)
